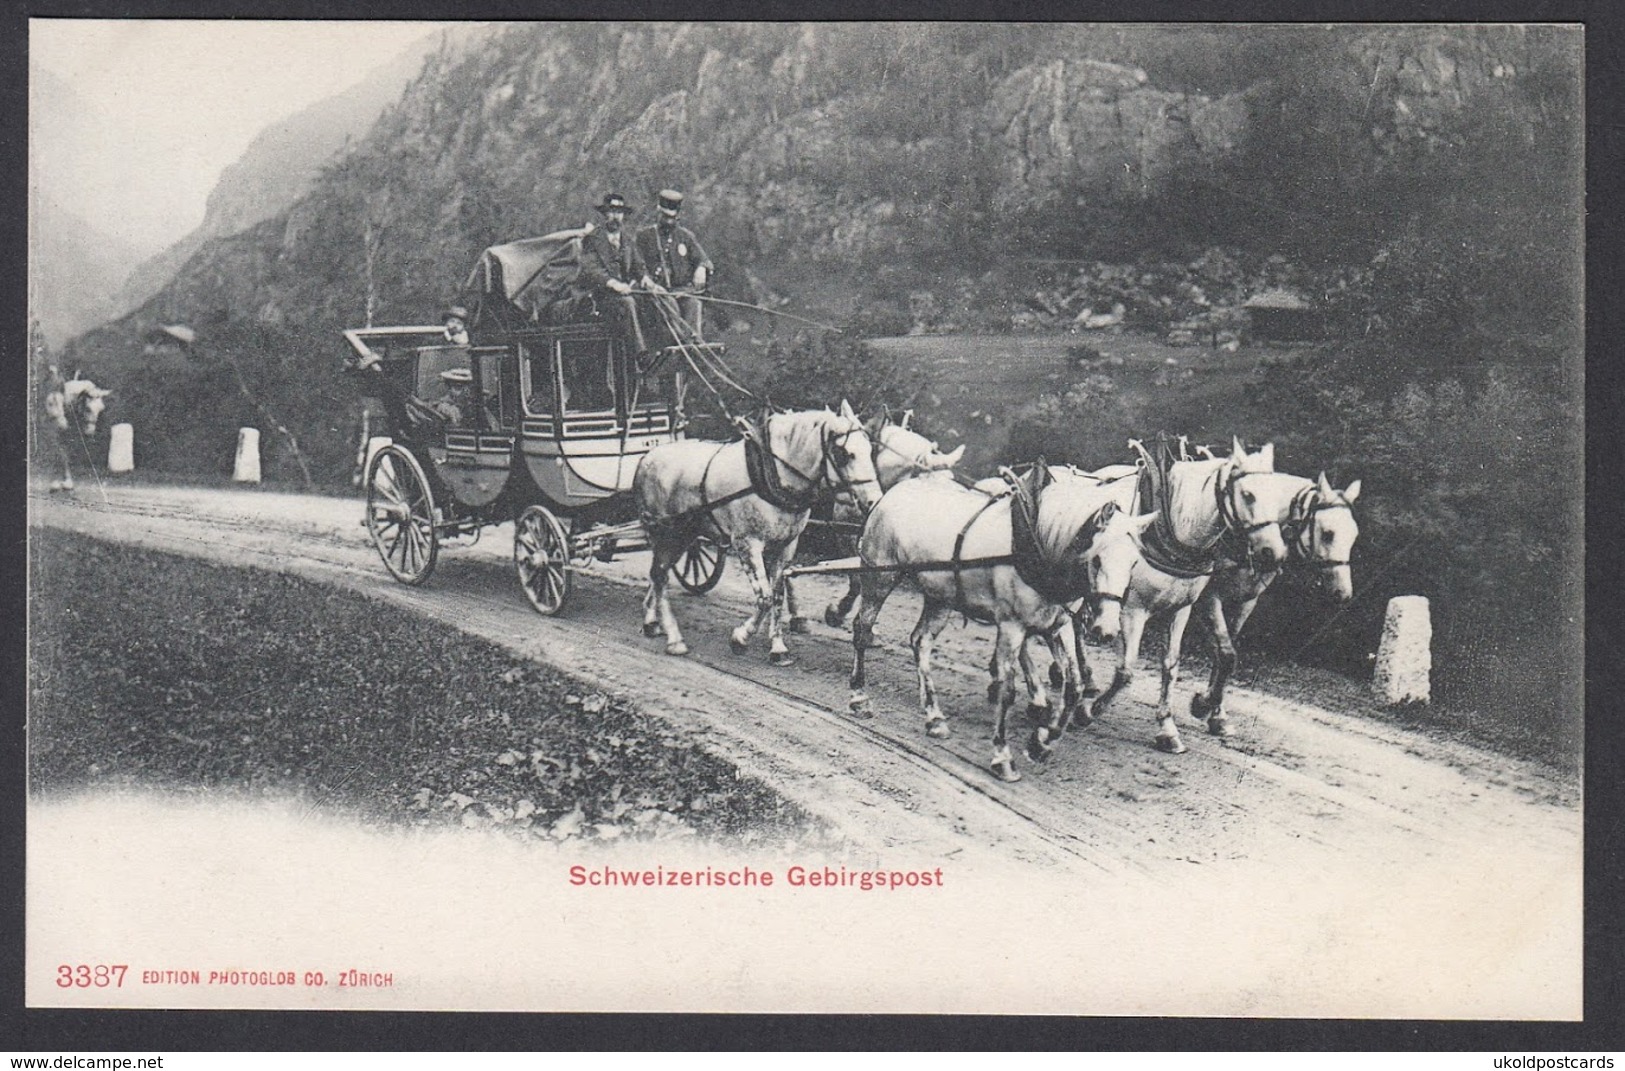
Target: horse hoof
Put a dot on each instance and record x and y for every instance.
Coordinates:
(1005, 771)
(833, 618)
(860, 707)
(651, 629)
(679, 648)
(782, 658)
(737, 645)
(938, 730)
(1200, 708)
(1218, 725)
(799, 626)
(1039, 749)
(1173, 745)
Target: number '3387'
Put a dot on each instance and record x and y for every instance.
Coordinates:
(86, 975)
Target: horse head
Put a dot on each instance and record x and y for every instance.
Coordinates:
(901, 453)
(1324, 535)
(847, 455)
(1111, 559)
(1248, 511)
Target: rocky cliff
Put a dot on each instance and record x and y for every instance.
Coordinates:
(851, 166)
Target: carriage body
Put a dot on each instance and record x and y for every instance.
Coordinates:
(563, 414)
(556, 418)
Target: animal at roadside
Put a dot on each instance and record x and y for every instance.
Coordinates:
(753, 494)
(1320, 531)
(964, 551)
(74, 407)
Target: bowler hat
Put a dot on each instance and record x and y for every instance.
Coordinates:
(457, 311)
(613, 200)
(671, 201)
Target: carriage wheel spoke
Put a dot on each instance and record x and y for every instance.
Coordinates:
(541, 558)
(400, 516)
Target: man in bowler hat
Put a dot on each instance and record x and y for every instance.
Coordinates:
(611, 268)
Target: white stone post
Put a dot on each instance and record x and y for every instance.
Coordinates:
(121, 449)
(1405, 657)
(247, 469)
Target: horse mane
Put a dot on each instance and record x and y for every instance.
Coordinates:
(1189, 513)
(795, 428)
(1061, 516)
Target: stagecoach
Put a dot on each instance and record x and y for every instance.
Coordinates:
(555, 416)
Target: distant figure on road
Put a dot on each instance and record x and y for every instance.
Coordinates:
(74, 406)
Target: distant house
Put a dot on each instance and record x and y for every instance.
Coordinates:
(1282, 315)
(169, 344)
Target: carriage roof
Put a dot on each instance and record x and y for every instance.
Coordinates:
(528, 273)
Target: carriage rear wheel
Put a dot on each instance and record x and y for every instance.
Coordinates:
(699, 566)
(541, 554)
(400, 515)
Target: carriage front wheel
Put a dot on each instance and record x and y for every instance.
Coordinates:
(699, 566)
(541, 554)
(400, 515)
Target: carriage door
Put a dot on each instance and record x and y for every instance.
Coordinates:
(474, 460)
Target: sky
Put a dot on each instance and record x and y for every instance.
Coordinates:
(184, 98)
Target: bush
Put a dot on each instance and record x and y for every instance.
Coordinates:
(1087, 425)
(1470, 485)
(813, 371)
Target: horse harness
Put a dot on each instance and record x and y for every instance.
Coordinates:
(1163, 551)
(1299, 529)
(1059, 582)
(762, 467)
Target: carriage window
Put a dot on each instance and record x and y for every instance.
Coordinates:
(433, 360)
(498, 395)
(589, 375)
(538, 383)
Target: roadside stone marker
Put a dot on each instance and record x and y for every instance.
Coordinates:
(247, 469)
(121, 449)
(1405, 656)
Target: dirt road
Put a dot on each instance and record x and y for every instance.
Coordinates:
(1385, 845)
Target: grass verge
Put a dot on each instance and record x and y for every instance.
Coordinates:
(161, 671)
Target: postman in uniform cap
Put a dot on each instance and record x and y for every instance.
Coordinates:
(671, 201)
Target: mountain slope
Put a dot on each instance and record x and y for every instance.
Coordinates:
(284, 161)
(853, 166)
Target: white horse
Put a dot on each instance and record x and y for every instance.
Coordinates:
(962, 549)
(754, 494)
(74, 407)
(1320, 532)
(899, 454)
(1203, 502)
